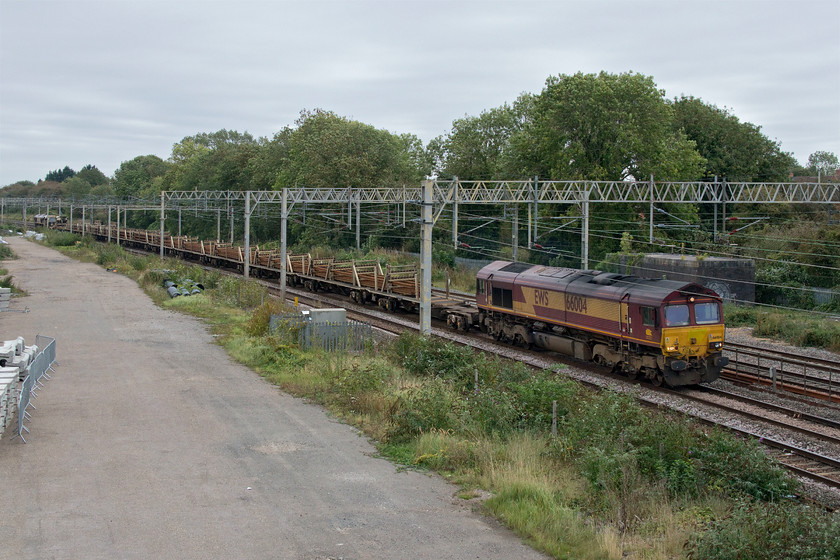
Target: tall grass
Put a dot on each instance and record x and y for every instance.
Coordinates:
(799, 328)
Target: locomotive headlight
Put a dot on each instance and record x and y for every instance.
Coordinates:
(716, 345)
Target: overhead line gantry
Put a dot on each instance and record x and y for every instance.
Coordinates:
(433, 197)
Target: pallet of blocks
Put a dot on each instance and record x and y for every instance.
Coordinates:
(15, 358)
(5, 297)
(9, 381)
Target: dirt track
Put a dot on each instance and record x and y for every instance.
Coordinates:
(149, 442)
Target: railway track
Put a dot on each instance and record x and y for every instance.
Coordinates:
(785, 371)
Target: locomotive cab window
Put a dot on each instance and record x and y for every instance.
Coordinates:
(503, 298)
(649, 316)
(707, 313)
(676, 315)
(479, 286)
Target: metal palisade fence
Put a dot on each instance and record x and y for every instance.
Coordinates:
(333, 336)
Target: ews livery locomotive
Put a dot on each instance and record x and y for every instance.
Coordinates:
(668, 331)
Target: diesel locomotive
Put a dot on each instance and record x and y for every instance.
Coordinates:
(667, 331)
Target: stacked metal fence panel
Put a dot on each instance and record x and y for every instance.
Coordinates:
(336, 336)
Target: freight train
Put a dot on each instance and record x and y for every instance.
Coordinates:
(669, 332)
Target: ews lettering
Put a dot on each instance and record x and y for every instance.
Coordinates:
(541, 297)
(576, 304)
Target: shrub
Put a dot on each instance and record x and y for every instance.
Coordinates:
(427, 356)
(56, 238)
(431, 405)
(740, 466)
(370, 375)
(536, 395)
(770, 531)
(108, 255)
(493, 412)
(261, 317)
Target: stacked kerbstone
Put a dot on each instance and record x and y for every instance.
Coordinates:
(5, 297)
(15, 358)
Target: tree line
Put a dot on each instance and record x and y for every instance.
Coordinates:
(583, 126)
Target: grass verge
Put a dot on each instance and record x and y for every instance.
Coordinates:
(800, 328)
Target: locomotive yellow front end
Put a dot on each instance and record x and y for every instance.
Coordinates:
(692, 341)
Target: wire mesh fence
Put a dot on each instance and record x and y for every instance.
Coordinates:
(333, 336)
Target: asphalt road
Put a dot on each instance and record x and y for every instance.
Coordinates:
(149, 442)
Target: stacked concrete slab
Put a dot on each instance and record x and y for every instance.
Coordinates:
(5, 297)
(15, 358)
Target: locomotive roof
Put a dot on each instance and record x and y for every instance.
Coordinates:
(591, 282)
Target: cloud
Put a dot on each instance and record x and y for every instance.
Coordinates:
(102, 82)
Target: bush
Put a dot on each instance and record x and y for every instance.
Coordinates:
(431, 405)
(535, 396)
(260, 319)
(371, 375)
(739, 466)
(770, 531)
(108, 255)
(239, 292)
(56, 238)
(493, 412)
(427, 356)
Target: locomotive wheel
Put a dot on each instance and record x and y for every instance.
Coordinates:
(658, 380)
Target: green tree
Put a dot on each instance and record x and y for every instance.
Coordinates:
(477, 147)
(75, 186)
(326, 150)
(60, 175)
(264, 165)
(737, 151)
(135, 177)
(92, 175)
(212, 161)
(824, 164)
(604, 127)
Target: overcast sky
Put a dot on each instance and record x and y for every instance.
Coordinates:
(101, 82)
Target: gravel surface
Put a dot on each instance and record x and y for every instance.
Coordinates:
(149, 442)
